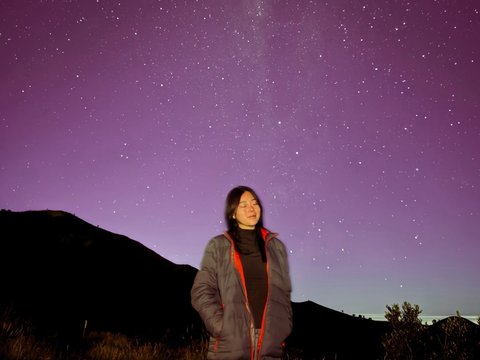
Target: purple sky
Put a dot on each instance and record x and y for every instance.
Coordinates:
(356, 121)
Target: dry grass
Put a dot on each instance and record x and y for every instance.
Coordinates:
(107, 346)
(17, 342)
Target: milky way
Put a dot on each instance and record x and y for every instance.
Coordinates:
(356, 121)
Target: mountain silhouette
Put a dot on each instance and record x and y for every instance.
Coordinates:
(321, 333)
(63, 274)
(68, 276)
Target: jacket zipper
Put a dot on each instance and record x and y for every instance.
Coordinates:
(262, 329)
(238, 265)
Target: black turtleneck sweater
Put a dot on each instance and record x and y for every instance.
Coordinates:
(255, 271)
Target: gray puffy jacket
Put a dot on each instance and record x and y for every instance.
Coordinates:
(218, 294)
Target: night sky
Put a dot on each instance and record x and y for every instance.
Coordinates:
(357, 122)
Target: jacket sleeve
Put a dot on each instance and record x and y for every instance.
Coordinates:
(205, 293)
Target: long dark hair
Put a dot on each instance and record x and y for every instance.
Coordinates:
(231, 205)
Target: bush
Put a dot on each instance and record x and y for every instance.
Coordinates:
(405, 340)
(455, 343)
(450, 339)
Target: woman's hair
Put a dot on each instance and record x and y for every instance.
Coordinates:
(231, 205)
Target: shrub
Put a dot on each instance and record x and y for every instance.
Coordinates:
(454, 346)
(406, 338)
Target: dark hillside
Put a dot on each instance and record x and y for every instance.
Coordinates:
(60, 271)
(323, 333)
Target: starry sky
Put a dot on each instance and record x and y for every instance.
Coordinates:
(357, 122)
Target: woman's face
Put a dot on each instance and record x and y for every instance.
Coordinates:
(248, 211)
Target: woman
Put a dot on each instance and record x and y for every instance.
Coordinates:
(242, 290)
